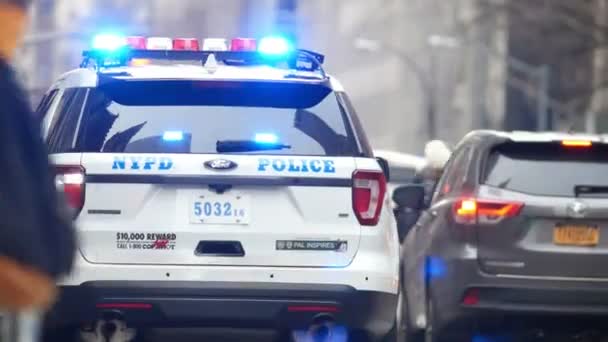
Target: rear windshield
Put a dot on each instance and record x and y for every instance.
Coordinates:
(547, 169)
(199, 116)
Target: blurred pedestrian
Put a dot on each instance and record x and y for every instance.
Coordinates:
(37, 241)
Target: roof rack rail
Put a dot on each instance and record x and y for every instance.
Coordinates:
(297, 59)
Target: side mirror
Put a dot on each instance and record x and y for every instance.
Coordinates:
(410, 196)
(385, 168)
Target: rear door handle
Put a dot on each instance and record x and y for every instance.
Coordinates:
(219, 249)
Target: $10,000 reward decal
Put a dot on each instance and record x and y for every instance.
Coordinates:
(145, 241)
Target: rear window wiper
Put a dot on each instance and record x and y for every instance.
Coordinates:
(589, 190)
(228, 146)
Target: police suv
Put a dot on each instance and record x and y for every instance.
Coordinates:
(230, 184)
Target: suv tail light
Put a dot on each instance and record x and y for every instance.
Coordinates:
(473, 210)
(369, 188)
(70, 181)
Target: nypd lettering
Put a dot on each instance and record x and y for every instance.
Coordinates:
(145, 241)
(142, 163)
(297, 165)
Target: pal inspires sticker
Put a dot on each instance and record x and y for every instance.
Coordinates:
(145, 241)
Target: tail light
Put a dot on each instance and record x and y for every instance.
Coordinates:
(471, 297)
(474, 210)
(369, 188)
(70, 181)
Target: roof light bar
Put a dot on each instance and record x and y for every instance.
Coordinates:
(109, 42)
(215, 44)
(112, 50)
(243, 44)
(274, 46)
(159, 43)
(188, 44)
(137, 42)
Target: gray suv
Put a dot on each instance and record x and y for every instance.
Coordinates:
(517, 224)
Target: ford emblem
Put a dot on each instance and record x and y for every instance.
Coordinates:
(220, 164)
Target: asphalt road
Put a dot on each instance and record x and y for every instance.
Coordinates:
(231, 335)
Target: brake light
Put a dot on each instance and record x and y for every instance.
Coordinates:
(369, 188)
(576, 143)
(70, 181)
(473, 210)
(185, 44)
(471, 297)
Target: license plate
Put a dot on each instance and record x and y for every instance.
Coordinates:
(220, 209)
(576, 235)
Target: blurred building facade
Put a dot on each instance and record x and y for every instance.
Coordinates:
(434, 57)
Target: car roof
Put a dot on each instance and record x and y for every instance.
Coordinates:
(531, 136)
(87, 77)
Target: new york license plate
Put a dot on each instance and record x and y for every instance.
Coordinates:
(576, 235)
(220, 209)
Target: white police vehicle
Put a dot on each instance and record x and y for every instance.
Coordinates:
(221, 186)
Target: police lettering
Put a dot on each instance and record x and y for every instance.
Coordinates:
(142, 163)
(297, 165)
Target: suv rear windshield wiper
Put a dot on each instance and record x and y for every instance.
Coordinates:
(590, 190)
(228, 146)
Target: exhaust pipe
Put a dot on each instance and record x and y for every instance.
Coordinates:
(322, 327)
(111, 326)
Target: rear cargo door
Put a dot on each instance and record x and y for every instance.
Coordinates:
(217, 173)
(175, 209)
(562, 228)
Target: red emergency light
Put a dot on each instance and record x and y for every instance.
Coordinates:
(137, 42)
(187, 44)
(243, 44)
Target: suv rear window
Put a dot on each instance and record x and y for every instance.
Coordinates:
(546, 169)
(193, 116)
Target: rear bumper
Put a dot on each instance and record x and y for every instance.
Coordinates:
(503, 295)
(247, 305)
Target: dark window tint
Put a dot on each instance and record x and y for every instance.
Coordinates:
(197, 117)
(65, 120)
(45, 104)
(546, 169)
(454, 175)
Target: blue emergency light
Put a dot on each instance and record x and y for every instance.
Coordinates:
(109, 42)
(173, 136)
(274, 46)
(266, 138)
